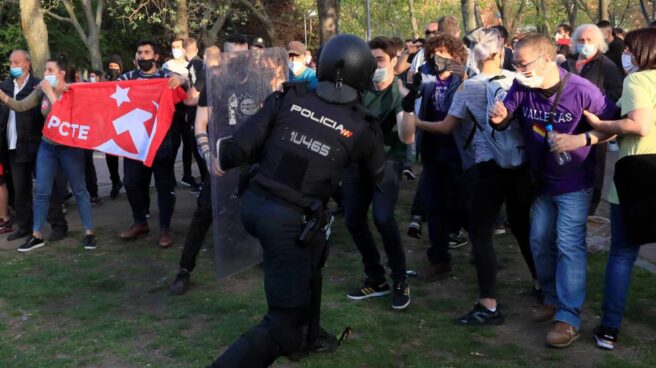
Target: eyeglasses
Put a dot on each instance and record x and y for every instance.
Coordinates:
(429, 32)
(522, 68)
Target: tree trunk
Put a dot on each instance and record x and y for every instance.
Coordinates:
(571, 9)
(182, 19)
(413, 19)
(262, 15)
(542, 16)
(468, 14)
(36, 33)
(603, 10)
(328, 19)
(645, 13)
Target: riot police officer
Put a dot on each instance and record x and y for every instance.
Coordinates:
(302, 141)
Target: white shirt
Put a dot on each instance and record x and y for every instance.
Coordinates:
(12, 135)
(177, 67)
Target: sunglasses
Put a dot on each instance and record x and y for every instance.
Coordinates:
(429, 33)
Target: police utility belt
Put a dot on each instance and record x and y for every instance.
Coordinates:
(318, 220)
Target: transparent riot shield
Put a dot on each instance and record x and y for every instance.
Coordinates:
(236, 90)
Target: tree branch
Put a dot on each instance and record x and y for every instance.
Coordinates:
(643, 9)
(583, 6)
(76, 24)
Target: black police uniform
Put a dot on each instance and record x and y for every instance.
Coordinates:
(302, 144)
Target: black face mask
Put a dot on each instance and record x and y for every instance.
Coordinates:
(441, 63)
(145, 65)
(114, 73)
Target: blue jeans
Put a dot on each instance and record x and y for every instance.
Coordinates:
(50, 158)
(558, 230)
(621, 258)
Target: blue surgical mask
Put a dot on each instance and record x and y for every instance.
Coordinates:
(16, 72)
(587, 50)
(52, 80)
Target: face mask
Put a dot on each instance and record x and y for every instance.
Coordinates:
(533, 81)
(52, 80)
(558, 37)
(16, 72)
(114, 73)
(587, 50)
(296, 67)
(441, 63)
(379, 75)
(146, 65)
(308, 60)
(92, 79)
(177, 53)
(627, 64)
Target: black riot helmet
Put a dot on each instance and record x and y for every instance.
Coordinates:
(346, 59)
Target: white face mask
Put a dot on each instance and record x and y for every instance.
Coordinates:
(533, 81)
(380, 75)
(627, 64)
(558, 36)
(177, 53)
(92, 79)
(296, 67)
(52, 80)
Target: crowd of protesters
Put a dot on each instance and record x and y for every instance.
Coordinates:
(520, 122)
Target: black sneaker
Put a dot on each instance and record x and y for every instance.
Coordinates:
(414, 228)
(480, 315)
(31, 244)
(96, 201)
(116, 188)
(605, 337)
(401, 295)
(409, 174)
(189, 182)
(181, 283)
(89, 242)
(195, 191)
(457, 240)
(369, 289)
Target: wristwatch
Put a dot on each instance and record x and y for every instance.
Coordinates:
(588, 139)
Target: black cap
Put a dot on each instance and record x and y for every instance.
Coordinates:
(258, 42)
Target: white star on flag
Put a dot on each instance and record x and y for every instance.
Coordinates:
(121, 95)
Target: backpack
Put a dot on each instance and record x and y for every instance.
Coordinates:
(506, 146)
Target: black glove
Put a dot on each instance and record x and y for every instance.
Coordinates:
(408, 102)
(457, 69)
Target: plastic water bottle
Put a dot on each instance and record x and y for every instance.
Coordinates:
(561, 157)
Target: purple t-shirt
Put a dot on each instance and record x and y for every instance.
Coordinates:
(532, 111)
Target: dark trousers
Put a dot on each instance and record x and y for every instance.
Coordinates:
(112, 166)
(419, 201)
(21, 176)
(600, 172)
(191, 139)
(183, 134)
(493, 186)
(447, 194)
(90, 176)
(136, 177)
(359, 195)
(200, 224)
(288, 270)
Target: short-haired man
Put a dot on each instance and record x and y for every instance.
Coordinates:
(615, 44)
(136, 174)
(411, 65)
(384, 99)
(450, 25)
(298, 70)
(195, 72)
(20, 134)
(560, 210)
(235, 42)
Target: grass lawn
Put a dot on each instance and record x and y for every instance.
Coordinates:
(62, 306)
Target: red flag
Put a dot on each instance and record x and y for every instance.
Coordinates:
(123, 118)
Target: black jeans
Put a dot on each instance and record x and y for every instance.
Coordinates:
(188, 135)
(359, 194)
(90, 176)
(288, 270)
(600, 172)
(112, 166)
(493, 186)
(200, 224)
(136, 177)
(447, 194)
(182, 133)
(419, 201)
(21, 176)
